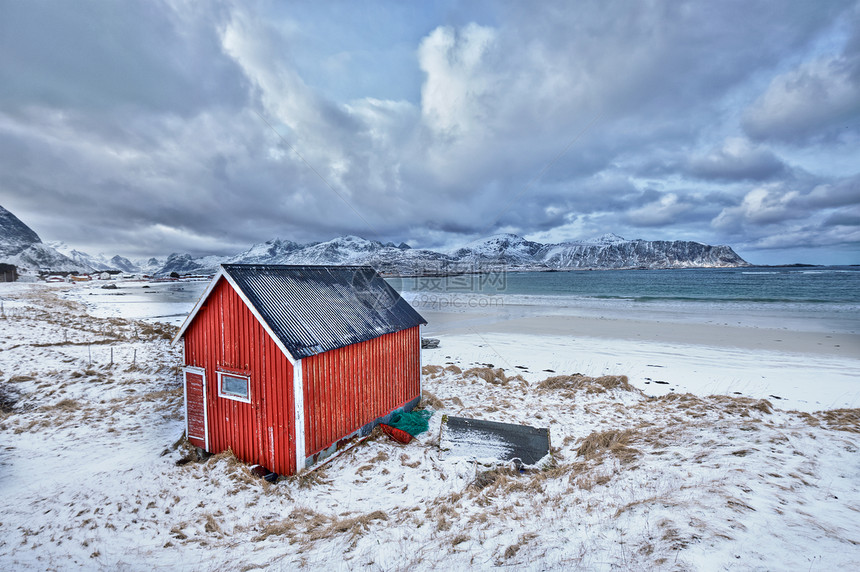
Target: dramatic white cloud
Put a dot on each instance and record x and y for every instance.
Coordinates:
(459, 81)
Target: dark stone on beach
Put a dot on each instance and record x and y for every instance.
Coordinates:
(661, 382)
(109, 287)
(429, 343)
(777, 397)
(521, 366)
(550, 370)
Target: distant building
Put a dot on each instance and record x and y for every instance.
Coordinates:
(283, 364)
(8, 273)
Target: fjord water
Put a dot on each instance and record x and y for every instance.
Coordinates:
(804, 298)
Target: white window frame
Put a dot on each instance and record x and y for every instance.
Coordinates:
(233, 396)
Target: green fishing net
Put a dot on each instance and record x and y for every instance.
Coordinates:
(413, 422)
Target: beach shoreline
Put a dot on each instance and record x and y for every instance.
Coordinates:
(795, 362)
(807, 370)
(547, 321)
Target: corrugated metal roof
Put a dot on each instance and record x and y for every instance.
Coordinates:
(314, 309)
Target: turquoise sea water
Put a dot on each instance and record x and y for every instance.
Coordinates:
(822, 297)
(825, 285)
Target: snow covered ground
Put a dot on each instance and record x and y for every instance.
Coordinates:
(89, 447)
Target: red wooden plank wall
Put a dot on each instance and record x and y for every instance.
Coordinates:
(347, 388)
(225, 336)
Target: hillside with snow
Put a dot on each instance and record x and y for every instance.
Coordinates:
(21, 246)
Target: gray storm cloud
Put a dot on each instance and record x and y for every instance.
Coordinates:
(152, 127)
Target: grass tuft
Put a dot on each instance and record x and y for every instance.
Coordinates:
(431, 370)
(431, 401)
(495, 376)
(841, 419)
(570, 384)
(614, 441)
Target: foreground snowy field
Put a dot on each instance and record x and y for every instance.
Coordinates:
(94, 474)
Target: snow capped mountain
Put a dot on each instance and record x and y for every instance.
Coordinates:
(21, 246)
(101, 263)
(638, 254)
(187, 264)
(503, 248)
(124, 264)
(606, 239)
(510, 250)
(94, 263)
(15, 236)
(272, 252)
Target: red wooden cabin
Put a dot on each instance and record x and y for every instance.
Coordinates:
(283, 364)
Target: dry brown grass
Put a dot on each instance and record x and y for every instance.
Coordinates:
(570, 384)
(309, 526)
(300, 519)
(431, 401)
(741, 406)
(492, 477)
(614, 442)
(841, 419)
(504, 481)
(355, 525)
(431, 370)
(687, 399)
(523, 539)
(495, 376)
(63, 405)
(156, 331)
(734, 406)
(310, 478)
(211, 525)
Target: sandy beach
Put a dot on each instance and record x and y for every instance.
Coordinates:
(798, 364)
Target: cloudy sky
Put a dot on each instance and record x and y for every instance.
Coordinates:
(144, 128)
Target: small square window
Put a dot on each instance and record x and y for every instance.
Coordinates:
(233, 386)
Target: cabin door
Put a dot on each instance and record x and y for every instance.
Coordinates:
(194, 386)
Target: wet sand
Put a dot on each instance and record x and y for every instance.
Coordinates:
(796, 365)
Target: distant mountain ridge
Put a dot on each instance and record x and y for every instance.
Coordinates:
(21, 246)
(509, 250)
(101, 262)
